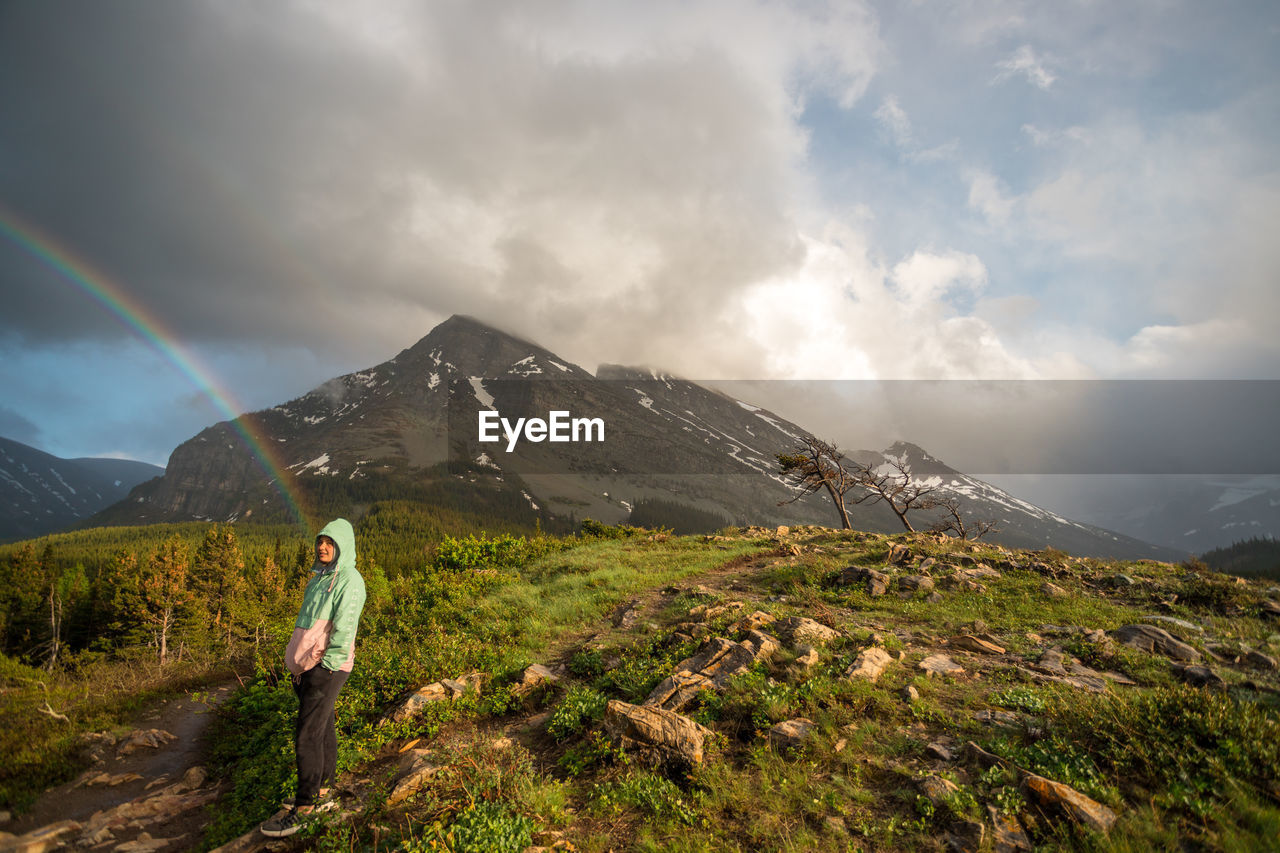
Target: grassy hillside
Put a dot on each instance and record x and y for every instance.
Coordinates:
(1040, 687)
(898, 763)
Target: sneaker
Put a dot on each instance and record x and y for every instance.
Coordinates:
(285, 823)
(326, 803)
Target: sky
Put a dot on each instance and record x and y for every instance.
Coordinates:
(213, 207)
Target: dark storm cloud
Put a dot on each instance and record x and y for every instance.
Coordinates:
(18, 428)
(249, 171)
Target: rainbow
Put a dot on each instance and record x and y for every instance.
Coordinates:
(145, 325)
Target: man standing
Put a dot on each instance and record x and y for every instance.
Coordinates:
(319, 657)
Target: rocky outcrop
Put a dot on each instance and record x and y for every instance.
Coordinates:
(939, 665)
(800, 629)
(657, 735)
(1153, 640)
(444, 690)
(715, 662)
(1069, 801)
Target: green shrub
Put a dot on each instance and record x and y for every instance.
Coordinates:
(1025, 699)
(491, 827)
(597, 530)
(580, 707)
(656, 795)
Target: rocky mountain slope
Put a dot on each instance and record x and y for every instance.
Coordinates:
(41, 493)
(418, 416)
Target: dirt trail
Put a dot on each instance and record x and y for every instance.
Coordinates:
(186, 718)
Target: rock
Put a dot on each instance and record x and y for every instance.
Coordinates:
(1052, 590)
(898, 555)
(421, 768)
(1270, 608)
(782, 530)
(800, 629)
(835, 826)
(144, 843)
(764, 645)
(534, 676)
(1120, 580)
(755, 621)
(970, 643)
(869, 664)
(937, 665)
(937, 789)
(981, 570)
(915, 583)
(662, 736)
(1199, 676)
(710, 667)
(909, 694)
(194, 777)
(791, 734)
(926, 564)
(1007, 834)
(986, 759)
(934, 597)
(1258, 660)
(625, 615)
(997, 718)
(1149, 638)
(144, 739)
(938, 751)
(1071, 802)
(39, 840)
(877, 582)
(966, 836)
(807, 659)
(707, 612)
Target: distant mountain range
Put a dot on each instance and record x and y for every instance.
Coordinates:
(41, 493)
(415, 418)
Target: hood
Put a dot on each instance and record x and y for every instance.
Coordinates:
(344, 536)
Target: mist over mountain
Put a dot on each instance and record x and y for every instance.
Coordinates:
(417, 419)
(41, 493)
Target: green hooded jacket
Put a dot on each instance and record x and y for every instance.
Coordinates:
(325, 632)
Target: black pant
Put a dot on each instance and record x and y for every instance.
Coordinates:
(316, 739)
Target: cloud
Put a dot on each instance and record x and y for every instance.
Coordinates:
(990, 197)
(16, 427)
(843, 315)
(894, 119)
(1024, 62)
(260, 172)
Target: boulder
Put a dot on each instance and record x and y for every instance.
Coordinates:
(877, 581)
(416, 772)
(1199, 676)
(869, 664)
(1069, 801)
(1052, 590)
(755, 621)
(966, 836)
(715, 662)
(444, 690)
(791, 734)
(1258, 660)
(39, 840)
(534, 676)
(915, 583)
(936, 789)
(1007, 835)
(937, 665)
(801, 629)
(970, 643)
(898, 555)
(1149, 638)
(657, 734)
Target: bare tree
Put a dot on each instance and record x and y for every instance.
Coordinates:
(954, 524)
(895, 488)
(814, 465)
